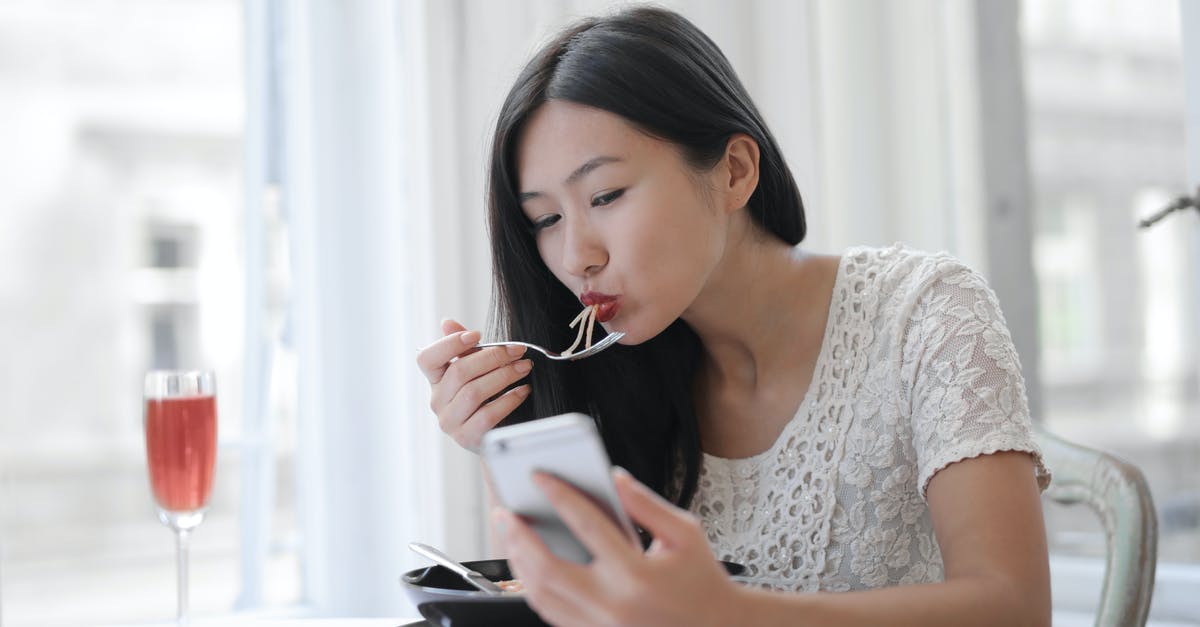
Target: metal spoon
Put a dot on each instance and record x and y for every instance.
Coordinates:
(472, 577)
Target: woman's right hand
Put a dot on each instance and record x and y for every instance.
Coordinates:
(462, 378)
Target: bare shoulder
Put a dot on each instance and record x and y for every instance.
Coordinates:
(819, 266)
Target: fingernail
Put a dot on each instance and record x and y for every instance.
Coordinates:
(515, 351)
(469, 338)
(523, 366)
(523, 390)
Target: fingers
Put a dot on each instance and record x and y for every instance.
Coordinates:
(468, 384)
(451, 326)
(433, 360)
(669, 524)
(551, 583)
(466, 401)
(469, 368)
(470, 431)
(586, 520)
(472, 380)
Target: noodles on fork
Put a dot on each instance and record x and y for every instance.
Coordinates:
(587, 318)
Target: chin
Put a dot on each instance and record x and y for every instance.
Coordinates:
(631, 338)
(634, 334)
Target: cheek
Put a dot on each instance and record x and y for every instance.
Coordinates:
(667, 261)
(549, 250)
(679, 246)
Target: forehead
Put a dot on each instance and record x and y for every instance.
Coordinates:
(560, 136)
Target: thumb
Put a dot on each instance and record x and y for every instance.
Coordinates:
(450, 325)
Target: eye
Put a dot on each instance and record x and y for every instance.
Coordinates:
(544, 222)
(604, 199)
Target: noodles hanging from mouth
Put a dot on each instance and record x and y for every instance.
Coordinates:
(586, 318)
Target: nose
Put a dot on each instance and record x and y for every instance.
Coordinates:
(583, 252)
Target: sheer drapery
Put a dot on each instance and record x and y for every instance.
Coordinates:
(362, 256)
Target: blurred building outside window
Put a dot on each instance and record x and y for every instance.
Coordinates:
(121, 250)
(1104, 83)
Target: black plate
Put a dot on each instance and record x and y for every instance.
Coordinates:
(444, 599)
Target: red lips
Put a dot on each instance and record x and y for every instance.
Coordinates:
(606, 304)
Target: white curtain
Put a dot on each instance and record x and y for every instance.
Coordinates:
(362, 260)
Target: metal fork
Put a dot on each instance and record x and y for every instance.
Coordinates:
(608, 340)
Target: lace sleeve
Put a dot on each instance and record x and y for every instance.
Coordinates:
(967, 394)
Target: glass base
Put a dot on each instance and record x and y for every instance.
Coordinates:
(182, 521)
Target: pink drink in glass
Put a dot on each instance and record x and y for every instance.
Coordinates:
(180, 425)
(181, 449)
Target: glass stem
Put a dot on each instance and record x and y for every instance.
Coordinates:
(181, 544)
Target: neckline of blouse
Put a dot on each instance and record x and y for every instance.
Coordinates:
(806, 403)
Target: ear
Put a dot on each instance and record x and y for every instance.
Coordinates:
(740, 174)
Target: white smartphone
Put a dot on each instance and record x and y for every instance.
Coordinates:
(568, 447)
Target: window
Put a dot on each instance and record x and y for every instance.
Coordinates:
(1118, 313)
(120, 251)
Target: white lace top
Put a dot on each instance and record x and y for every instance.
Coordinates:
(917, 371)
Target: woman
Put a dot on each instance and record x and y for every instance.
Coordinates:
(853, 424)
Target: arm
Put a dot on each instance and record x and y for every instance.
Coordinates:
(988, 519)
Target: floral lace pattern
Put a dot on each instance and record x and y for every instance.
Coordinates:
(917, 371)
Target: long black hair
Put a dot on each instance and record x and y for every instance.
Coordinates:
(665, 77)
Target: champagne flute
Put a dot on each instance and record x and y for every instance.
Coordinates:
(180, 424)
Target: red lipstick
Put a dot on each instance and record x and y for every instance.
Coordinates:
(606, 304)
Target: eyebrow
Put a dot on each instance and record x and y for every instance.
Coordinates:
(579, 173)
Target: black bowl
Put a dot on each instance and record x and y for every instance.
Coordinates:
(443, 598)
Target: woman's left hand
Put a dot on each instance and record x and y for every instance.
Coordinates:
(677, 581)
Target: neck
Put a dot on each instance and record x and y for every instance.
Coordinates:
(751, 327)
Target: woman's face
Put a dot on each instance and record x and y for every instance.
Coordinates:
(618, 216)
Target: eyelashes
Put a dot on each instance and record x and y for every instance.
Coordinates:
(601, 200)
(607, 198)
(537, 225)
